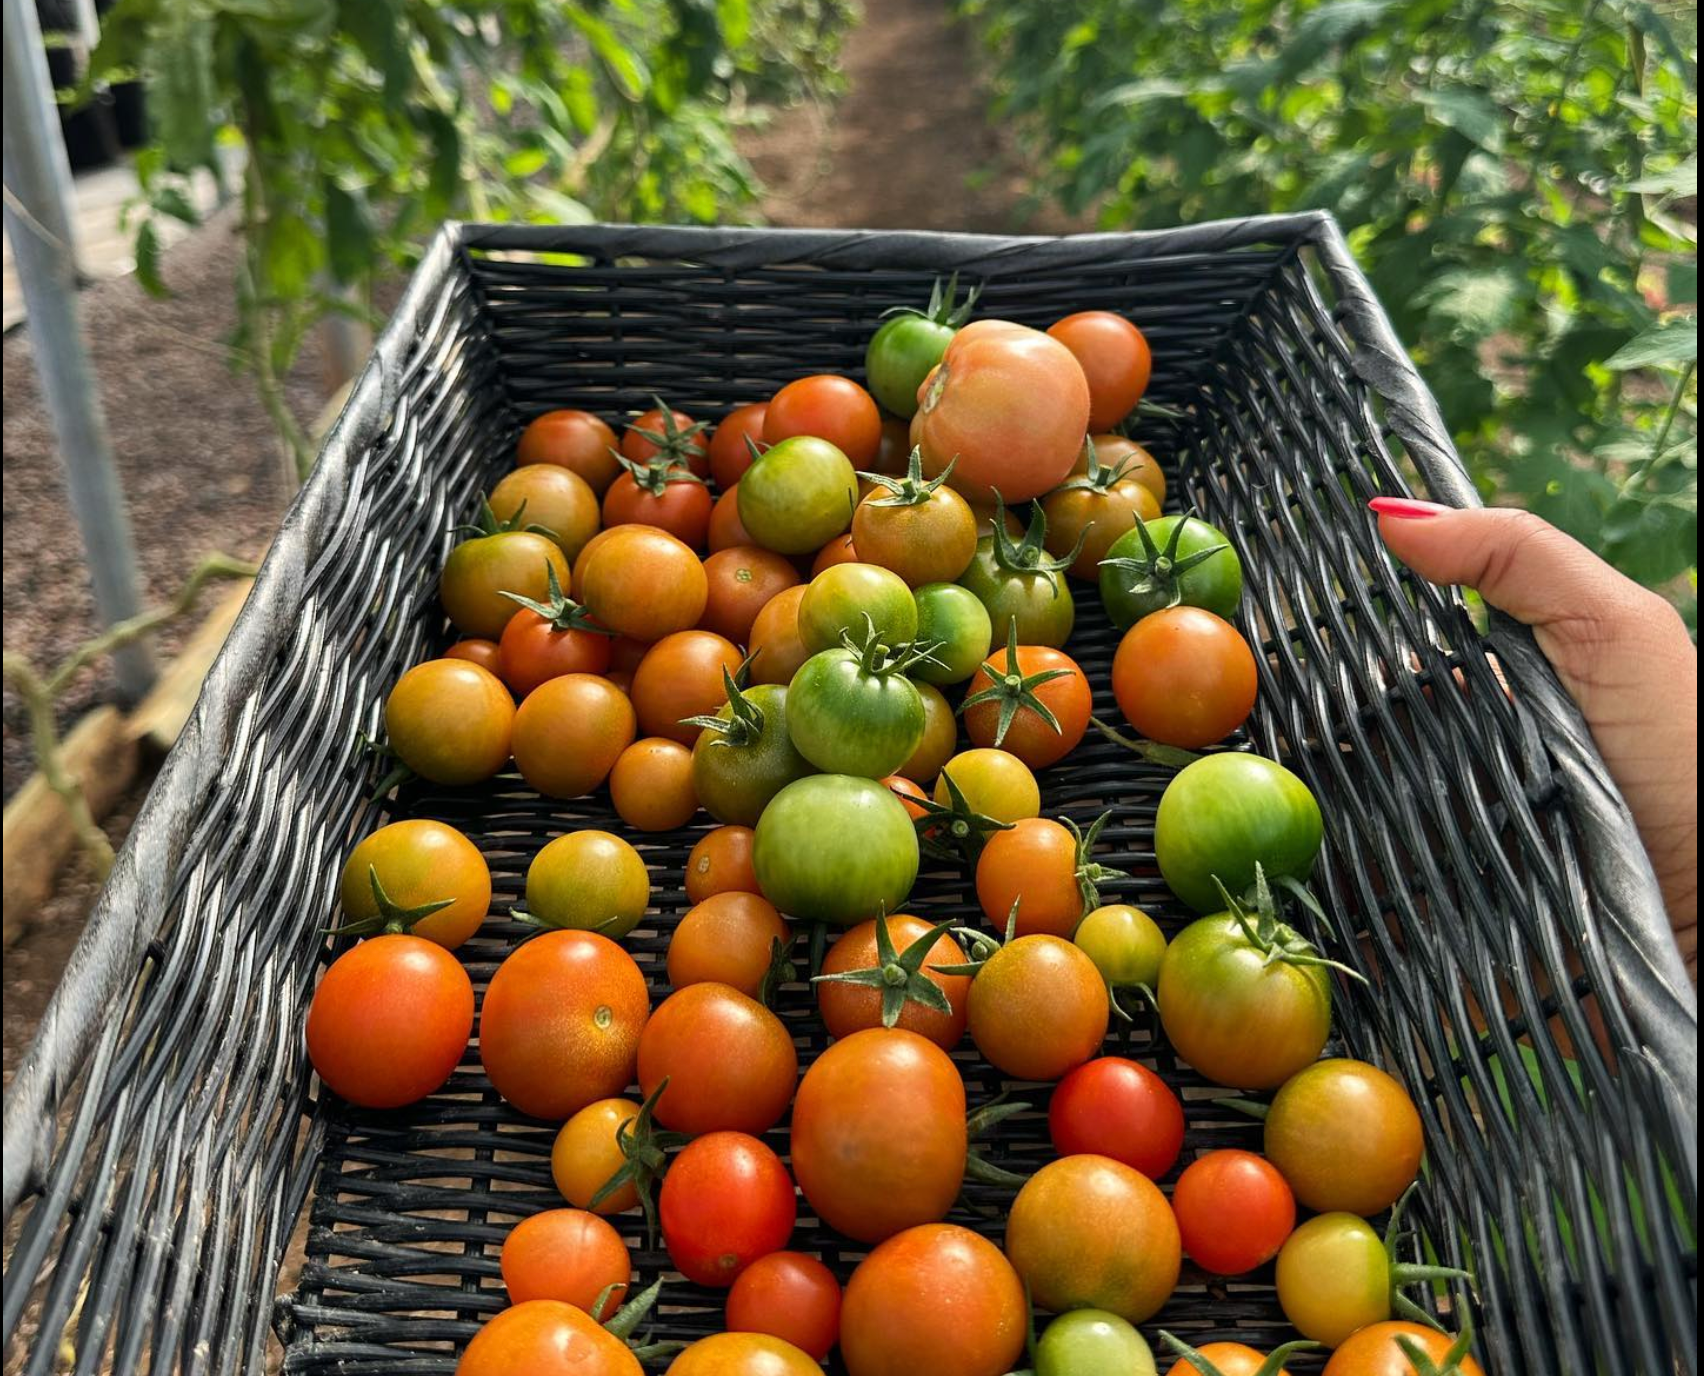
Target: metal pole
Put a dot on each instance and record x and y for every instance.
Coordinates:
(38, 223)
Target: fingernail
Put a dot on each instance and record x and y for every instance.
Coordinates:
(1406, 508)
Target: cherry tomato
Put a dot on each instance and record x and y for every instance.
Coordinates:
(682, 676)
(726, 530)
(740, 765)
(669, 498)
(730, 1062)
(910, 795)
(729, 938)
(936, 1299)
(587, 1153)
(721, 863)
(1334, 1277)
(1088, 515)
(790, 1296)
(543, 494)
(1038, 1008)
(742, 581)
(743, 1354)
(1021, 677)
(1034, 864)
(1140, 574)
(1346, 1136)
(560, 1024)
(644, 583)
(852, 711)
(1115, 359)
(798, 495)
(536, 648)
(838, 599)
(651, 785)
(1184, 677)
(849, 1008)
(1114, 450)
(417, 863)
(546, 1338)
(994, 783)
(954, 621)
(839, 550)
(726, 1201)
(940, 736)
(1022, 588)
(484, 653)
(481, 569)
(834, 848)
(568, 1255)
(730, 456)
(1233, 1210)
(1230, 1359)
(1117, 1108)
(921, 530)
(1087, 1232)
(1377, 1351)
(776, 647)
(1125, 944)
(1092, 1342)
(569, 733)
(829, 408)
(681, 440)
(390, 1020)
(575, 440)
(450, 721)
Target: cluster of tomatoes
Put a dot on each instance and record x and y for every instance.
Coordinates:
(779, 655)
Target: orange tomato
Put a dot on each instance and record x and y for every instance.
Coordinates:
(1375, 1351)
(484, 653)
(905, 790)
(450, 721)
(742, 582)
(839, 550)
(924, 536)
(1038, 1008)
(729, 938)
(1231, 1359)
(743, 1354)
(587, 1153)
(1115, 359)
(682, 676)
(729, 454)
(849, 1008)
(1035, 865)
(1113, 450)
(644, 583)
(721, 863)
(556, 498)
(418, 862)
(1184, 677)
(1097, 515)
(575, 440)
(829, 408)
(730, 1062)
(569, 733)
(651, 785)
(546, 1338)
(726, 528)
(1029, 736)
(940, 736)
(790, 1296)
(568, 1255)
(776, 646)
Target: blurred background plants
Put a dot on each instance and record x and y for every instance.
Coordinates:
(1519, 177)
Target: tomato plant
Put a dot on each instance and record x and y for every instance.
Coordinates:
(1022, 585)
(909, 344)
(1092, 1342)
(730, 454)
(726, 1201)
(1118, 1108)
(643, 583)
(1038, 1008)
(1234, 1211)
(568, 1255)
(498, 558)
(681, 678)
(1169, 561)
(551, 500)
(746, 754)
(742, 581)
(420, 873)
(1184, 677)
(732, 938)
(790, 1296)
(650, 785)
(1346, 1136)
(798, 495)
(1115, 360)
(827, 407)
(955, 625)
(853, 711)
(837, 849)
(837, 601)
(450, 721)
(721, 863)
(884, 973)
(575, 440)
(569, 733)
(916, 526)
(1033, 701)
(727, 1062)
(549, 638)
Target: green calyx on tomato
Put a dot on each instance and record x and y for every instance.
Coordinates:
(675, 443)
(1029, 555)
(1097, 476)
(1272, 1365)
(1274, 939)
(899, 974)
(390, 916)
(745, 754)
(655, 474)
(645, 1148)
(910, 342)
(489, 523)
(1014, 691)
(954, 830)
(1172, 561)
(911, 490)
(1020, 582)
(559, 610)
(1450, 1364)
(1091, 876)
(853, 711)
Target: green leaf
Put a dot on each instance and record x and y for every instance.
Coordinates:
(523, 162)
(1478, 302)
(290, 255)
(171, 200)
(349, 234)
(148, 261)
(1470, 113)
(181, 97)
(1672, 343)
(625, 65)
(1677, 181)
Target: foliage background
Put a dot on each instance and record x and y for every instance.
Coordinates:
(1519, 177)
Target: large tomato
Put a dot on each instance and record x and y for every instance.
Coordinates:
(644, 583)
(1118, 1108)
(837, 849)
(587, 1154)
(878, 1134)
(728, 938)
(956, 627)
(838, 600)
(560, 1024)
(851, 1007)
(575, 440)
(481, 569)
(1011, 405)
(1115, 360)
(1233, 1211)
(741, 763)
(937, 1299)
(683, 675)
(589, 881)
(855, 712)
(390, 1021)
(1184, 677)
(568, 1255)
(726, 1201)
(543, 494)
(1038, 1008)
(1087, 1232)
(829, 408)
(450, 721)
(546, 1338)
(916, 526)
(1378, 1351)
(1031, 700)
(1171, 561)
(730, 454)
(742, 582)
(798, 495)
(570, 732)
(407, 866)
(790, 1296)
(743, 1354)
(1347, 1137)
(730, 1063)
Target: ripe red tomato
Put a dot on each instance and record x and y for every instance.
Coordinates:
(829, 408)
(721, 863)
(790, 1296)
(729, 454)
(668, 498)
(1234, 1211)
(546, 1338)
(1115, 359)
(536, 648)
(1117, 1108)
(742, 582)
(474, 651)
(390, 1021)
(1016, 675)
(729, 1061)
(683, 440)
(1184, 677)
(726, 1201)
(568, 1255)
(577, 441)
(681, 676)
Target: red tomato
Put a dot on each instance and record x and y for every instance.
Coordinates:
(729, 1061)
(1017, 675)
(1234, 1211)
(721, 863)
(1117, 1108)
(576, 440)
(790, 1296)
(568, 1255)
(730, 456)
(726, 528)
(1114, 357)
(536, 648)
(484, 653)
(829, 408)
(1184, 677)
(742, 582)
(670, 499)
(683, 440)
(726, 1201)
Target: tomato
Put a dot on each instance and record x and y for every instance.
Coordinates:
(1378, 1351)
(560, 1024)
(1229, 1359)
(855, 712)
(1183, 677)
(994, 783)
(838, 599)
(671, 436)
(909, 344)
(742, 582)
(829, 408)
(729, 1061)
(1223, 815)
(546, 1338)
(730, 454)
(1113, 450)
(1244, 1014)
(1031, 700)
(684, 675)
(916, 526)
(1125, 944)
(569, 733)
(954, 623)
(726, 1201)
(798, 495)
(587, 1153)
(743, 1354)
(1117, 1108)
(450, 721)
(726, 530)
(543, 494)
(839, 550)
(938, 1300)
(577, 583)
(940, 736)
(1092, 1342)
(1022, 586)
(1233, 1211)
(1115, 360)
(407, 866)
(739, 765)
(1039, 865)
(1038, 1008)
(895, 448)
(568, 1255)
(790, 1296)
(879, 1141)
(575, 440)
(644, 583)
(1346, 1135)
(480, 570)
(721, 863)
(1168, 562)
(775, 645)
(1089, 514)
(545, 640)
(1087, 1232)
(1334, 1277)
(626, 654)
(1011, 405)
(481, 652)
(390, 1020)
(837, 849)
(728, 938)
(910, 796)
(852, 1007)
(661, 495)
(651, 785)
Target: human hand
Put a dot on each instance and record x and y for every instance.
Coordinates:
(1622, 653)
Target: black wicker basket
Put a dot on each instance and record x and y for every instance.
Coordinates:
(162, 1138)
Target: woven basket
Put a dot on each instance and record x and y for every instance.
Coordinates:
(164, 1137)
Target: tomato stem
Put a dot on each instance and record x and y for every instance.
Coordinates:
(913, 489)
(561, 611)
(1151, 751)
(1157, 572)
(1030, 554)
(390, 916)
(744, 722)
(967, 829)
(646, 1149)
(899, 974)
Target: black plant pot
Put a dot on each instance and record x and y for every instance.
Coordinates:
(130, 114)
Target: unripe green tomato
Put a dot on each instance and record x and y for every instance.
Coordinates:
(899, 357)
(955, 621)
(1334, 1277)
(1092, 1342)
(798, 495)
(839, 598)
(591, 881)
(1125, 944)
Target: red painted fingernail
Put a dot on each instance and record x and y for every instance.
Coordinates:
(1406, 508)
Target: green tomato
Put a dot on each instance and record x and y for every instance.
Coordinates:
(837, 849)
(798, 495)
(956, 618)
(1222, 815)
(1125, 944)
(1038, 600)
(846, 719)
(899, 357)
(736, 773)
(591, 881)
(1215, 584)
(1334, 1277)
(1092, 1342)
(842, 595)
